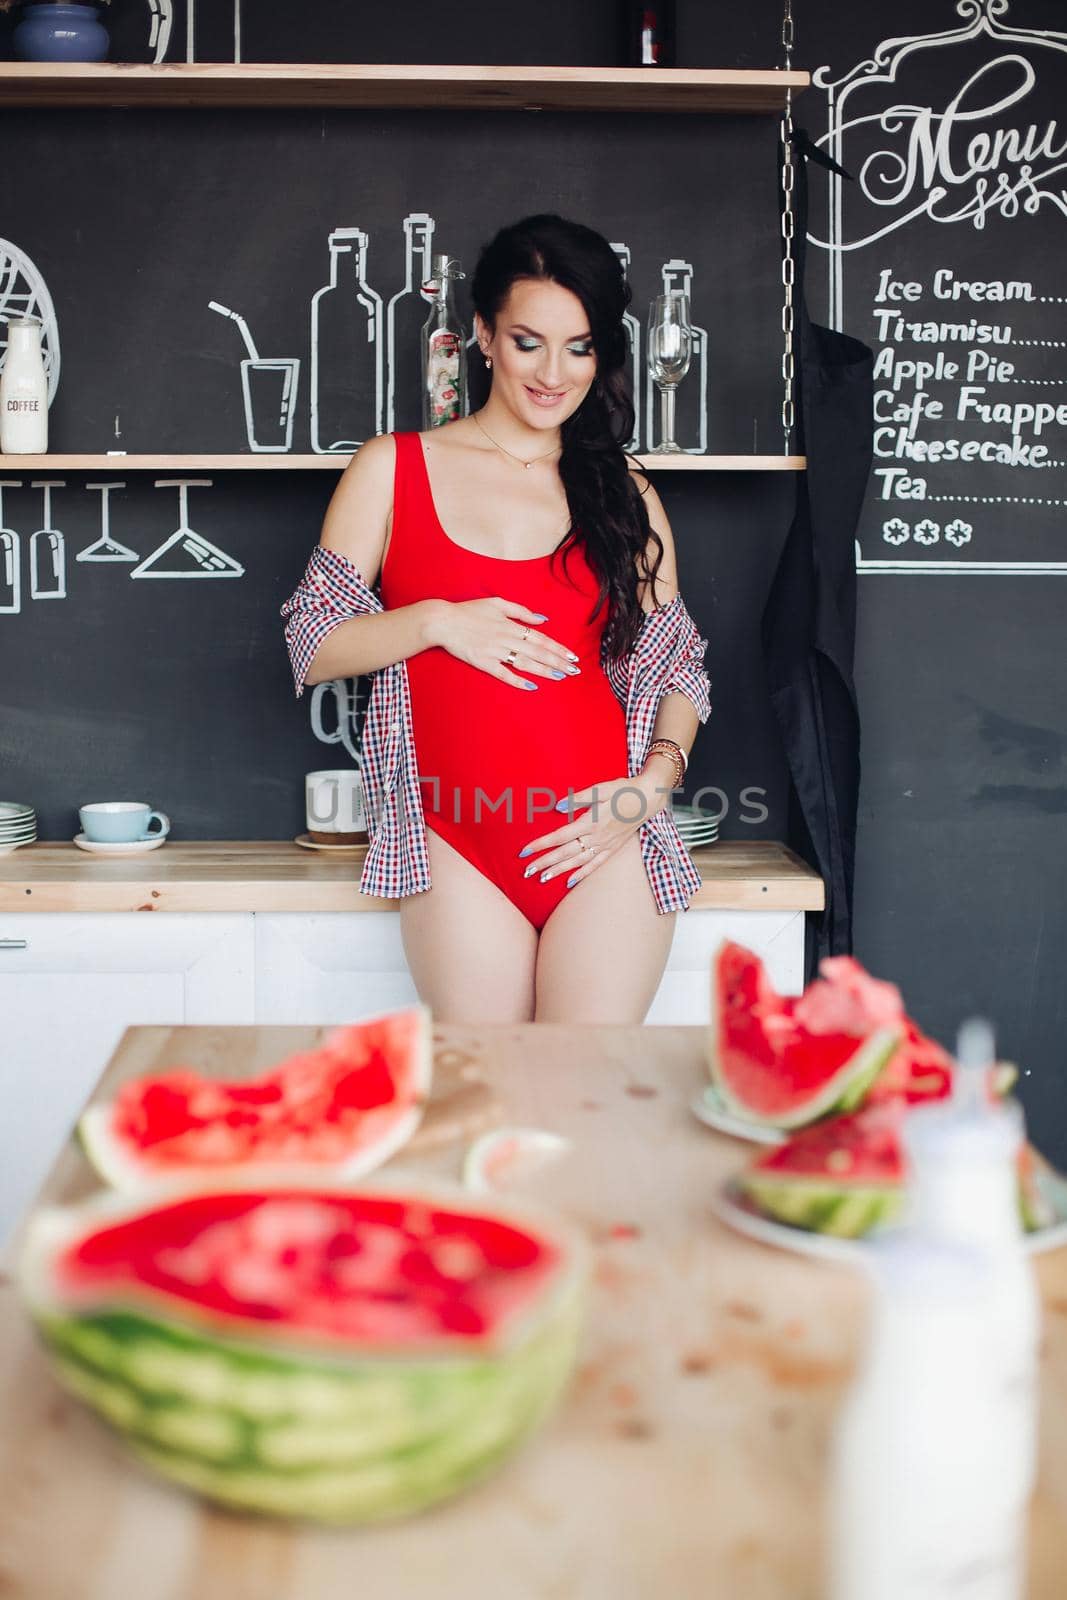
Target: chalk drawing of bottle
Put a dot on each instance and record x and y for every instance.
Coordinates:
(404, 317)
(691, 415)
(633, 353)
(347, 380)
(48, 550)
(10, 557)
(24, 293)
(106, 548)
(190, 554)
(190, 29)
(269, 386)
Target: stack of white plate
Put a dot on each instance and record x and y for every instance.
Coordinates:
(18, 825)
(695, 826)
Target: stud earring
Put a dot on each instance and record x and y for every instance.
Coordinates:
(489, 361)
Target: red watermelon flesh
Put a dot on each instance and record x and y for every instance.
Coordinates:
(787, 1060)
(345, 1106)
(380, 1270)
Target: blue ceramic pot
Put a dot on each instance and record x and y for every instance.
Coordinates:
(60, 33)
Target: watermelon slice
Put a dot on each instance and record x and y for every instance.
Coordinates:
(849, 1175)
(785, 1061)
(343, 1356)
(339, 1110)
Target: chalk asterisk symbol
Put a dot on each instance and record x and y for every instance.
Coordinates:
(958, 532)
(895, 531)
(927, 532)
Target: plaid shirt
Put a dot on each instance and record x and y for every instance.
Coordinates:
(667, 658)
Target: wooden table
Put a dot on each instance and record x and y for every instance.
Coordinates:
(686, 1460)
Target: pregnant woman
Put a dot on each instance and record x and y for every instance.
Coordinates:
(537, 679)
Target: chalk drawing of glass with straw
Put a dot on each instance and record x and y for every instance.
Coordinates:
(269, 385)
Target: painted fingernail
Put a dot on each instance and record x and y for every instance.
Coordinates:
(540, 619)
(527, 685)
(573, 879)
(573, 654)
(545, 876)
(531, 868)
(561, 805)
(559, 674)
(574, 669)
(525, 851)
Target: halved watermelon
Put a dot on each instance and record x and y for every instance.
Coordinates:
(849, 1175)
(787, 1061)
(339, 1110)
(344, 1356)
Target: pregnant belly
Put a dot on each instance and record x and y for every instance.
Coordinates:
(482, 743)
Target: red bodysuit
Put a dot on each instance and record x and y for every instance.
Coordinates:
(493, 758)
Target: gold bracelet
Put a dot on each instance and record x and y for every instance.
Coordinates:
(667, 747)
(663, 740)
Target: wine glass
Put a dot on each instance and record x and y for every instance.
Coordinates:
(670, 349)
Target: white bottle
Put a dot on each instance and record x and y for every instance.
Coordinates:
(934, 1456)
(23, 391)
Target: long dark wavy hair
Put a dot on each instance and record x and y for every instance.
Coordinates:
(608, 514)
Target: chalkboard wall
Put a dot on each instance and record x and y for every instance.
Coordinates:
(135, 221)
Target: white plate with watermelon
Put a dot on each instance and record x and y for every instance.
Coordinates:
(739, 1211)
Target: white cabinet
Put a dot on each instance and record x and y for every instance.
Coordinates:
(338, 966)
(331, 966)
(70, 982)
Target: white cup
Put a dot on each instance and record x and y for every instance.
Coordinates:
(334, 805)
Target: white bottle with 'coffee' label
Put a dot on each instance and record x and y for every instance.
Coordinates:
(934, 1455)
(23, 391)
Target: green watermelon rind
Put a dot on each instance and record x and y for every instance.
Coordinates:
(818, 1205)
(114, 1164)
(842, 1093)
(301, 1432)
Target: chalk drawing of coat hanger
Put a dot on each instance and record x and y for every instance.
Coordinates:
(345, 694)
(269, 386)
(195, 556)
(53, 544)
(190, 30)
(106, 548)
(162, 14)
(10, 557)
(633, 332)
(24, 293)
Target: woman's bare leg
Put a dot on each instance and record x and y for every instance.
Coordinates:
(470, 951)
(604, 947)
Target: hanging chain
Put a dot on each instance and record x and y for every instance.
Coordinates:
(788, 262)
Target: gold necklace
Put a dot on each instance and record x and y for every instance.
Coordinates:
(509, 453)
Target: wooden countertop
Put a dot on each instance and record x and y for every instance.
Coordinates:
(278, 875)
(686, 1460)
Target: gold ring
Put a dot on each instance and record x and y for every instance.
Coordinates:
(525, 632)
(509, 659)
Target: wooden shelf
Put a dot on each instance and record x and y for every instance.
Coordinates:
(13, 465)
(379, 88)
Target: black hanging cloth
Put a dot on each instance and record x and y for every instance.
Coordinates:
(809, 621)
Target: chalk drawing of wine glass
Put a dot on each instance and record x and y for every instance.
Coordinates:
(194, 556)
(190, 30)
(10, 551)
(105, 548)
(269, 386)
(162, 21)
(51, 568)
(24, 293)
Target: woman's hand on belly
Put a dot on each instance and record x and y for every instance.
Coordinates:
(482, 632)
(616, 809)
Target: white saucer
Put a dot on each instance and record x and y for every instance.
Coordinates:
(6, 849)
(708, 1107)
(130, 847)
(739, 1212)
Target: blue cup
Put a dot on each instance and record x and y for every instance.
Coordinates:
(122, 822)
